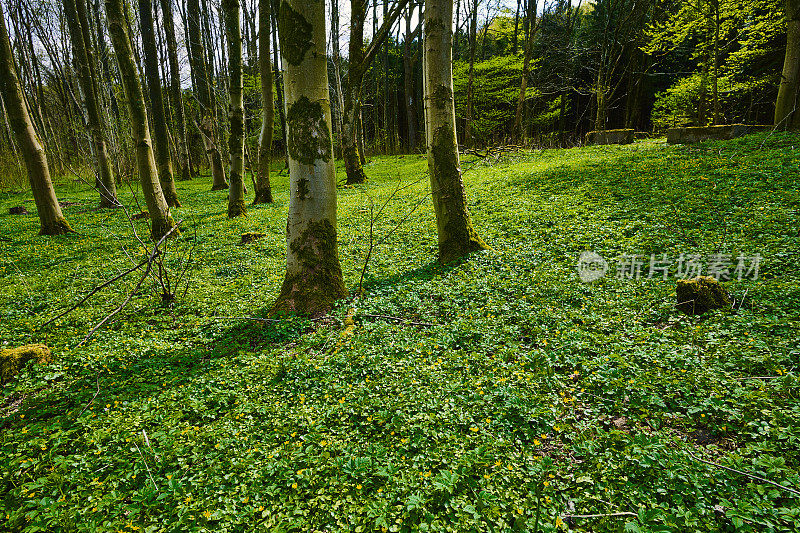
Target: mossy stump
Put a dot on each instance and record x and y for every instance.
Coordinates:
(247, 238)
(13, 360)
(699, 295)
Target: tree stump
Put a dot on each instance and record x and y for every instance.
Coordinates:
(699, 295)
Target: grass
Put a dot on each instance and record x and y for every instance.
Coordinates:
(532, 397)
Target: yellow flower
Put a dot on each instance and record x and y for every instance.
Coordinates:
(558, 521)
(358, 487)
(207, 514)
(551, 476)
(536, 442)
(473, 429)
(294, 485)
(546, 483)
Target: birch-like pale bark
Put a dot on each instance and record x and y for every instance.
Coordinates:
(786, 115)
(232, 15)
(160, 218)
(263, 192)
(457, 237)
(50, 217)
(159, 118)
(78, 23)
(313, 278)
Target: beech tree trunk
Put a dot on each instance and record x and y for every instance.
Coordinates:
(50, 217)
(313, 278)
(457, 237)
(160, 217)
(185, 172)
(409, 61)
(473, 44)
(232, 14)
(159, 118)
(786, 115)
(204, 96)
(78, 22)
(263, 192)
(530, 19)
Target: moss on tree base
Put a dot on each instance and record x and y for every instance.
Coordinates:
(263, 196)
(162, 227)
(701, 294)
(220, 186)
(13, 360)
(453, 249)
(59, 227)
(237, 209)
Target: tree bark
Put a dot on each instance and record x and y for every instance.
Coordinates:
(786, 115)
(175, 92)
(78, 22)
(457, 237)
(50, 217)
(530, 19)
(160, 217)
(313, 278)
(232, 15)
(409, 61)
(159, 118)
(204, 95)
(263, 192)
(473, 28)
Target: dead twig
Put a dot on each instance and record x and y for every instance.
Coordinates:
(598, 515)
(746, 474)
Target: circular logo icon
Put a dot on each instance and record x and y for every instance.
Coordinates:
(591, 267)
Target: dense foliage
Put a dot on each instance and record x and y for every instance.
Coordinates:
(519, 394)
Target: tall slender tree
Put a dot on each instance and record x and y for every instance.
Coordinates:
(83, 51)
(457, 237)
(473, 44)
(530, 17)
(50, 217)
(232, 15)
(175, 92)
(263, 192)
(786, 114)
(159, 118)
(358, 64)
(160, 216)
(203, 94)
(313, 278)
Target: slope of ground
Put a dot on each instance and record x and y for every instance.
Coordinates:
(518, 397)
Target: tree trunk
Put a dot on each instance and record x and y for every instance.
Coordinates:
(473, 28)
(457, 237)
(204, 95)
(530, 19)
(278, 75)
(159, 118)
(232, 15)
(409, 61)
(78, 22)
(50, 217)
(715, 86)
(175, 91)
(263, 192)
(786, 115)
(160, 217)
(313, 278)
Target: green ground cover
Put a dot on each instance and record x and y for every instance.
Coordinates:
(521, 396)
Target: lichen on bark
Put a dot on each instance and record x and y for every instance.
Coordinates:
(309, 136)
(296, 34)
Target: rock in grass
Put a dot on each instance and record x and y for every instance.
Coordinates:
(13, 360)
(247, 238)
(701, 294)
(17, 210)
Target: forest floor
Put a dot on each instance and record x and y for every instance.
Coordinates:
(519, 397)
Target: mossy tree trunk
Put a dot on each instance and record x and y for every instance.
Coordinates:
(313, 278)
(78, 22)
(160, 217)
(159, 118)
(232, 15)
(786, 115)
(50, 216)
(457, 237)
(175, 94)
(203, 94)
(263, 192)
